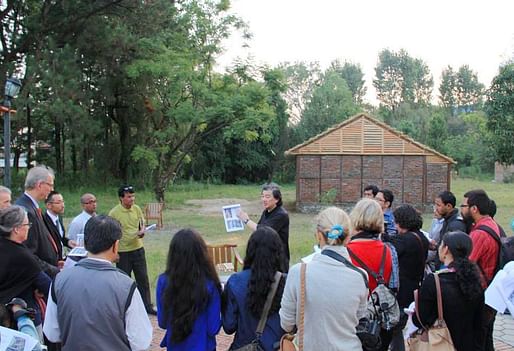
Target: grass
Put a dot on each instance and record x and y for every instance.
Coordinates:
(179, 214)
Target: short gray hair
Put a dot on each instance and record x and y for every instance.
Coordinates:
(85, 197)
(4, 189)
(367, 216)
(37, 174)
(10, 218)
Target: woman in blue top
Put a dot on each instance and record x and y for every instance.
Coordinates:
(246, 291)
(188, 295)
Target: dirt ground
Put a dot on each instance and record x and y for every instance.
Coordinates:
(213, 206)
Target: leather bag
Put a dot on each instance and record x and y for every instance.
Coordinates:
(437, 337)
(289, 341)
(255, 345)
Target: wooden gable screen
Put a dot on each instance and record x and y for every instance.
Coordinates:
(362, 151)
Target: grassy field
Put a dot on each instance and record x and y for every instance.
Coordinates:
(180, 214)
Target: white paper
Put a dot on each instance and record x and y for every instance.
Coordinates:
(13, 340)
(500, 293)
(78, 251)
(151, 227)
(232, 221)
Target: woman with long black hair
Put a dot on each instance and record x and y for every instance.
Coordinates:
(188, 295)
(461, 291)
(246, 291)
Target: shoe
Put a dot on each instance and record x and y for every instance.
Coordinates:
(151, 310)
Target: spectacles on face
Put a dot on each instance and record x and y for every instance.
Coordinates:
(29, 224)
(49, 184)
(90, 202)
(128, 188)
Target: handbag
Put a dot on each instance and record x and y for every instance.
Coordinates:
(368, 329)
(289, 341)
(437, 337)
(255, 345)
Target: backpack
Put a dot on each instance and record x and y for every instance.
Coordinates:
(382, 302)
(505, 252)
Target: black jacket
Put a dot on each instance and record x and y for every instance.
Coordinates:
(54, 231)
(463, 318)
(39, 240)
(451, 223)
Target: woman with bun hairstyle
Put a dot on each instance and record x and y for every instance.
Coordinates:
(461, 291)
(335, 294)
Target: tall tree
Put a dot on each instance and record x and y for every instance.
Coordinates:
(500, 112)
(460, 91)
(301, 78)
(331, 103)
(354, 76)
(402, 79)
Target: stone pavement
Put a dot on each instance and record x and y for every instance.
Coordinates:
(503, 335)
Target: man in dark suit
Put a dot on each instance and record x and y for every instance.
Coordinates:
(54, 208)
(38, 184)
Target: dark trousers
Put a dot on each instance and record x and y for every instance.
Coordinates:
(135, 261)
(488, 328)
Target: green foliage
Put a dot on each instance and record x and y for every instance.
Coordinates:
(331, 103)
(328, 197)
(500, 113)
(460, 91)
(354, 77)
(402, 79)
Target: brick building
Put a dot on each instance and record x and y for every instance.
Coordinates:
(334, 166)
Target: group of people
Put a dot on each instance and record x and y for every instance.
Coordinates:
(35, 279)
(93, 305)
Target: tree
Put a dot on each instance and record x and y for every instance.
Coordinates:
(500, 112)
(331, 103)
(460, 91)
(354, 77)
(402, 79)
(300, 78)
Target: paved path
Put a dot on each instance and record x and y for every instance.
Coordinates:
(503, 335)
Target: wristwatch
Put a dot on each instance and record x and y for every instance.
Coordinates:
(246, 221)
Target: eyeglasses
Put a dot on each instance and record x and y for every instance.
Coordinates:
(90, 202)
(29, 224)
(49, 184)
(128, 188)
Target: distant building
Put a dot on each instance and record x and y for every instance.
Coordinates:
(503, 173)
(338, 163)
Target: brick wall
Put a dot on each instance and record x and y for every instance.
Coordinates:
(347, 175)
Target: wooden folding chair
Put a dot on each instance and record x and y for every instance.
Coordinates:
(225, 258)
(153, 210)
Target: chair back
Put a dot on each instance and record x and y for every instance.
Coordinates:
(224, 257)
(153, 210)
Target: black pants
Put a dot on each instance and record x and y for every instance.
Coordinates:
(135, 261)
(488, 328)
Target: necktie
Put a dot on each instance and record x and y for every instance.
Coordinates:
(39, 213)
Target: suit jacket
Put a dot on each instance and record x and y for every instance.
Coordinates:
(39, 239)
(54, 231)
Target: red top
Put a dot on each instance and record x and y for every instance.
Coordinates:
(485, 248)
(370, 252)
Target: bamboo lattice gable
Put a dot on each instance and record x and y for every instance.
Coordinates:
(365, 135)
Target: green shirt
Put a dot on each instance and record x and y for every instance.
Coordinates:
(132, 221)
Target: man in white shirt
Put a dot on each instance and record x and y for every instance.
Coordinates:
(118, 320)
(88, 202)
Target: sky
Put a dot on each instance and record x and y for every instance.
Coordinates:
(450, 32)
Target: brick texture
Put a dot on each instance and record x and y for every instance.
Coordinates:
(372, 166)
(331, 167)
(308, 166)
(351, 166)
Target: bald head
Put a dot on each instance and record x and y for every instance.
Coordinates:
(88, 202)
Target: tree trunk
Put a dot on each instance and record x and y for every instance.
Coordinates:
(57, 146)
(29, 136)
(124, 132)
